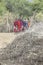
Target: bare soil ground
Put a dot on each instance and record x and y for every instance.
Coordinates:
(24, 48)
(6, 38)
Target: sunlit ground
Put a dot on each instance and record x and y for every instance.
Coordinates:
(6, 38)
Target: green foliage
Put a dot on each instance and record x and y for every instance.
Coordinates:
(2, 7)
(39, 16)
(24, 7)
(37, 5)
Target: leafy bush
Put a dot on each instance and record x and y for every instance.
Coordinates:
(39, 16)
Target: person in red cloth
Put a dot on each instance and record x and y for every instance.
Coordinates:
(21, 25)
(18, 25)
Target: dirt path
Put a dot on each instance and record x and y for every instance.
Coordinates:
(6, 38)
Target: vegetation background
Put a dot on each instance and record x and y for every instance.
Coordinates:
(10, 9)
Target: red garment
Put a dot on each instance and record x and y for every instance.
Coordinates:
(17, 25)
